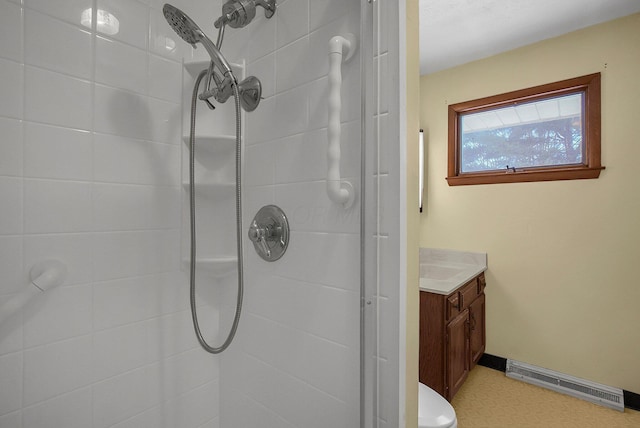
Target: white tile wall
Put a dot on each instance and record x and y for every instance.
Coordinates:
(151, 418)
(11, 420)
(261, 39)
(133, 20)
(121, 113)
(125, 160)
(10, 31)
(71, 410)
(75, 250)
(290, 26)
(56, 45)
(57, 152)
(292, 65)
(108, 358)
(300, 329)
(65, 10)
(164, 121)
(10, 330)
(64, 314)
(11, 88)
(56, 368)
(10, 264)
(57, 206)
(135, 207)
(135, 253)
(10, 147)
(11, 379)
(90, 175)
(386, 187)
(57, 99)
(11, 212)
(293, 112)
(162, 71)
(323, 13)
(265, 67)
(124, 396)
(193, 409)
(111, 55)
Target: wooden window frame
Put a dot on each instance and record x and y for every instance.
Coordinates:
(589, 168)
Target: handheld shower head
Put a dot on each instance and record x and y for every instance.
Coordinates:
(182, 24)
(250, 89)
(189, 31)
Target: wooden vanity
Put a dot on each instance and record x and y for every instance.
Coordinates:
(452, 331)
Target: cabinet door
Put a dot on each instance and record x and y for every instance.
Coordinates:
(477, 334)
(457, 353)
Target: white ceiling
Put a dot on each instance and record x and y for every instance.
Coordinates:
(454, 32)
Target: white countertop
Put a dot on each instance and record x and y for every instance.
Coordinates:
(443, 271)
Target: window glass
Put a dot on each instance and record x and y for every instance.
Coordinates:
(539, 133)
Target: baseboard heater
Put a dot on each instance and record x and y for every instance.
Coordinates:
(596, 393)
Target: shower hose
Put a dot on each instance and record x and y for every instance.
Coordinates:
(192, 203)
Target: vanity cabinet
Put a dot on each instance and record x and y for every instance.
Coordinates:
(452, 335)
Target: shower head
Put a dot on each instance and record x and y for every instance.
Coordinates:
(182, 24)
(250, 89)
(189, 31)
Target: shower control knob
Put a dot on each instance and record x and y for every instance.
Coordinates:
(269, 232)
(258, 235)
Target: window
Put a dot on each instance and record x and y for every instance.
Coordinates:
(549, 132)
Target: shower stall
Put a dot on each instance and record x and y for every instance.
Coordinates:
(94, 178)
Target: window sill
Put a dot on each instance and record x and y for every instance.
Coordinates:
(568, 173)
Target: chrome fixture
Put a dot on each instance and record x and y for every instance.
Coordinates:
(269, 232)
(192, 34)
(247, 94)
(192, 218)
(239, 13)
(219, 70)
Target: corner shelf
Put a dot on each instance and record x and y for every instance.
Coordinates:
(216, 266)
(195, 67)
(211, 187)
(215, 151)
(211, 145)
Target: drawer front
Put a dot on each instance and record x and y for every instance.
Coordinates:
(468, 294)
(482, 283)
(461, 299)
(453, 305)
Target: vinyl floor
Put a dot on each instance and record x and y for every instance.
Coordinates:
(489, 399)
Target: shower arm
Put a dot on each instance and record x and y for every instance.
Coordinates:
(220, 36)
(239, 13)
(269, 7)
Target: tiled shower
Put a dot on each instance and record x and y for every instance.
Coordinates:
(93, 112)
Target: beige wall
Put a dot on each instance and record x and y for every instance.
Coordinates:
(563, 285)
(413, 218)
